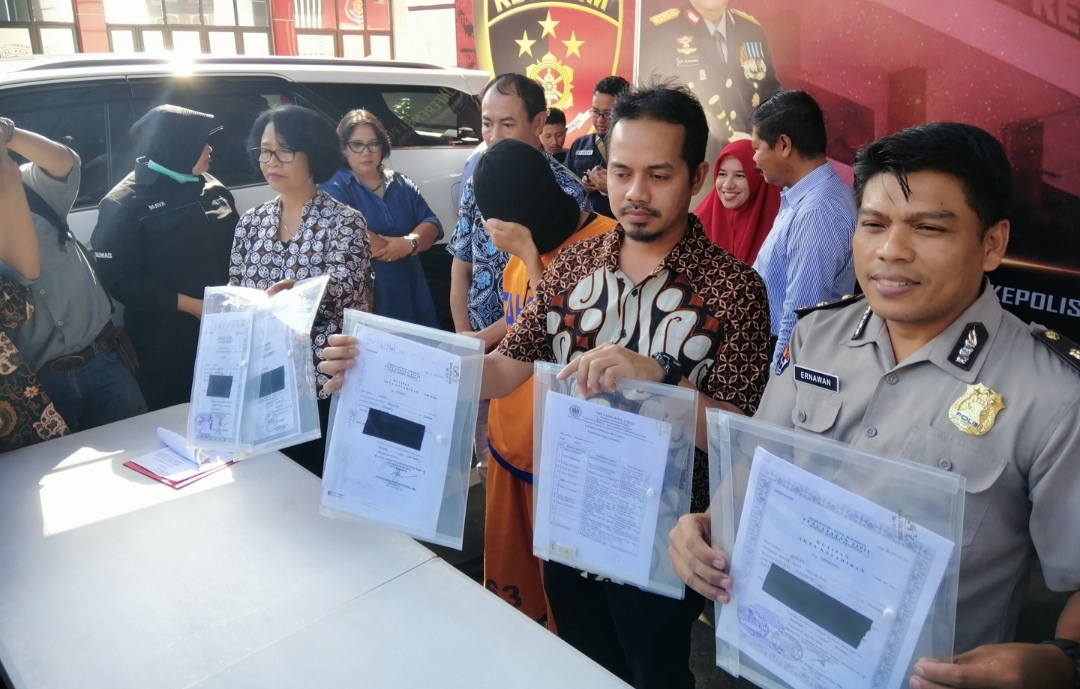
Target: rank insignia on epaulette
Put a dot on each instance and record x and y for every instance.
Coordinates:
(1066, 349)
(843, 301)
(968, 345)
(746, 16)
(664, 17)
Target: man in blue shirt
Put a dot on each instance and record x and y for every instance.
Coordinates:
(512, 107)
(806, 258)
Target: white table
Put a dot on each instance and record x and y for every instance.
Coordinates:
(109, 579)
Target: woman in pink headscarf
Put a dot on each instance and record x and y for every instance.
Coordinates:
(739, 215)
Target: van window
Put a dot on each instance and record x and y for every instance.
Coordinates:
(414, 116)
(77, 115)
(234, 101)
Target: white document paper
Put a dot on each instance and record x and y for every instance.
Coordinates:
(275, 411)
(599, 487)
(389, 447)
(220, 376)
(831, 590)
(174, 468)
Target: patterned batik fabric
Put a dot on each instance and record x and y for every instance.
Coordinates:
(27, 415)
(332, 240)
(701, 305)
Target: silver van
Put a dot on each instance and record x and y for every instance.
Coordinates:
(90, 101)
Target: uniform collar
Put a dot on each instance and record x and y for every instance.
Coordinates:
(687, 251)
(949, 347)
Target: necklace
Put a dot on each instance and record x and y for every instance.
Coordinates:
(374, 188)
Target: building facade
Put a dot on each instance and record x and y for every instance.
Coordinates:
(317, 28)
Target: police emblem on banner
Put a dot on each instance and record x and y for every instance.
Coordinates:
(566, 47)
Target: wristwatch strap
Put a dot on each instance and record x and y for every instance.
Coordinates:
(1071, 649)
(9, 129)
(415, 243)
(672, 369)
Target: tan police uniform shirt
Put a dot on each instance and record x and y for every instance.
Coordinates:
(1022, 475)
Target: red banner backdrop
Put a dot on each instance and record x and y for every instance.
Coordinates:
(877, 66)
(565, 46)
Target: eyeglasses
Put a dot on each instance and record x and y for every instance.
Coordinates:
(600, 114)
(284, 155)
(360, 146)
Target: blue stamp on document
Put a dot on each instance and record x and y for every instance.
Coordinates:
(753, 622)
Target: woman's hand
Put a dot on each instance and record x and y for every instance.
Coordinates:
(338, 356)
(280, 286)
(393, 248)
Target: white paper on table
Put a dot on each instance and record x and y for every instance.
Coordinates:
(196, 455)
(174, 468)
(224, 342)
(599, 486)
(392, 431)
(275, 412)
(831, 590)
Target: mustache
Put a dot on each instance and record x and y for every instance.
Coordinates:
(639, 207)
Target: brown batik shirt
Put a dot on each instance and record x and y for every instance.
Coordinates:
(701, 305)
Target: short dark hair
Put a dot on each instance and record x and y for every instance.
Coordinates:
(612, 86)
(969, 154)
(304, 131)
(671, 102)
(556, 116)
(514, 84)
(355, 118)
(796, 114)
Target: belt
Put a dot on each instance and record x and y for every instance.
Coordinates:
(70, 362)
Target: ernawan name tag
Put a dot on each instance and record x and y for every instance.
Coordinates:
(826, 381)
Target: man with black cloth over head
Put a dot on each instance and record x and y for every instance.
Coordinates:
(532, 219)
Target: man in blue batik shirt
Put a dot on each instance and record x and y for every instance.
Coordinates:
(806, 259)
(512, 107)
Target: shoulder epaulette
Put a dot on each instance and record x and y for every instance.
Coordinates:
(843, 301)
(1066, 349)
(746, 16)
(664, 17)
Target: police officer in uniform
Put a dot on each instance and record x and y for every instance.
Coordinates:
(720, 53)
(930, 368)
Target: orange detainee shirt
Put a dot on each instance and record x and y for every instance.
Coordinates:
(510, 419)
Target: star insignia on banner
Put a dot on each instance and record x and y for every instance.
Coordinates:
(573, 46)
(525, 44)
(549, 26)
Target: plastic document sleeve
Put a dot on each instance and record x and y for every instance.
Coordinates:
(254, 384)
(611, 477)
(845, 563)
(400, 444)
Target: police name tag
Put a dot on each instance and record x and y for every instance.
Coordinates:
(826, 381)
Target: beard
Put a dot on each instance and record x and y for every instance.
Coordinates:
(635, 231)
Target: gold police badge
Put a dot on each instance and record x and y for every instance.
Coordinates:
(974, 412)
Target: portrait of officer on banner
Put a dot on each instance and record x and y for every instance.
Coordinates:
(720, 53)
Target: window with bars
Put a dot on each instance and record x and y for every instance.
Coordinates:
(344, 28)
(37, 27)
(214, 27)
